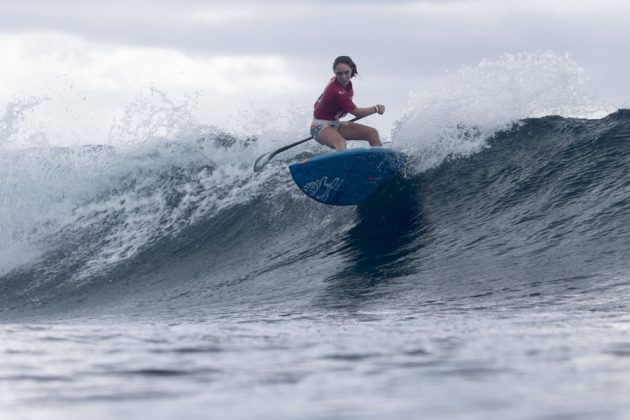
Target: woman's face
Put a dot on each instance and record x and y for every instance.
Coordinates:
(343, 72)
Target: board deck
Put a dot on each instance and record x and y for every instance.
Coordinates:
(346, 178)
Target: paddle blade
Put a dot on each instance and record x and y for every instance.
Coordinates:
(262, 161)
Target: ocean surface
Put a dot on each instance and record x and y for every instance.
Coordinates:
(169, 280)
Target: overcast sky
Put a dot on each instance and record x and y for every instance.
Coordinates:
(282, 49)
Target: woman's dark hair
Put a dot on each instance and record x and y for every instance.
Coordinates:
(344, 59)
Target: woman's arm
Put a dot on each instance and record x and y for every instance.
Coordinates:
(364, 112)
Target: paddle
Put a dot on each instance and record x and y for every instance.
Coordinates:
(264, 159)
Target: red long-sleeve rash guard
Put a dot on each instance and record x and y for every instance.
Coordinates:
(335, 101)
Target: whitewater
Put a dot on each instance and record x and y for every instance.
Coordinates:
(157, 275)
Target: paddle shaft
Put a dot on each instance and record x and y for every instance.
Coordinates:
(264, 159)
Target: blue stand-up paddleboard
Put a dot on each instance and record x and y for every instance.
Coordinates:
(349, 177)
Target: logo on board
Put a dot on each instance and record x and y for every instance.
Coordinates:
(320, 189)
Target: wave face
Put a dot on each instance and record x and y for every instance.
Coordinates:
(188, 226)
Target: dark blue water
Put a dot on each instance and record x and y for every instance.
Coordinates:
(492, 285)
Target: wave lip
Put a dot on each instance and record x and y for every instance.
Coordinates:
(455, 114)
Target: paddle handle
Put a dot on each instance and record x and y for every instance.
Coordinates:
(264, 159)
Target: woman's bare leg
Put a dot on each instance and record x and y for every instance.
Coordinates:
(354, 131)
(330, 137)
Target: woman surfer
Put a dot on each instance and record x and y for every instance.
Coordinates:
(334, 103)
